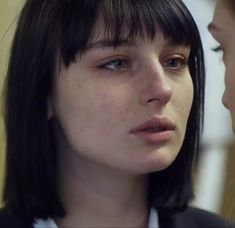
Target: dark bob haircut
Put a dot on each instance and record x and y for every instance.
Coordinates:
(48, 28)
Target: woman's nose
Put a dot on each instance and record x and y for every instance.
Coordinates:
(157, 88)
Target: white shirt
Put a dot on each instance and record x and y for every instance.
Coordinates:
(50, 223)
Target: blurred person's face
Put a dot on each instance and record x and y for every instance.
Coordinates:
(223, 30)
(125, 108)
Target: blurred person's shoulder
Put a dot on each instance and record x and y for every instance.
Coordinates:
(7, 220)
(193, 218)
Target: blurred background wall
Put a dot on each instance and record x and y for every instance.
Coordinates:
(215, 180)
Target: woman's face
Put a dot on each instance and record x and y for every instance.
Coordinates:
(223, 30)
(127, 107)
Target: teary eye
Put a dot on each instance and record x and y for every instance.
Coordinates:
(117, 64)
(176, 63)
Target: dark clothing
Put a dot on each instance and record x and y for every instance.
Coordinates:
(189, 218)
(9, 221)
(193, 218)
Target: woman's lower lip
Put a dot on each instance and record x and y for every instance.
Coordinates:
(155, 137)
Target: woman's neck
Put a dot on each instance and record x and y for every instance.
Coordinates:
(94, 195)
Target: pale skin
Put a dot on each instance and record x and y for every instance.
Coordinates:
(223, 30)
(96, 102)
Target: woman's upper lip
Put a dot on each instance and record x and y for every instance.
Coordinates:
(158, 123)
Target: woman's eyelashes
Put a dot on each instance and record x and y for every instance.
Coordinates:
(218, 48)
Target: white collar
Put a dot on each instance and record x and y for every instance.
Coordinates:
(153, 219)
(41, 223)
(50, 223)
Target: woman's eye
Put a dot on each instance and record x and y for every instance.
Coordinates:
(176, 63)
(118, 64)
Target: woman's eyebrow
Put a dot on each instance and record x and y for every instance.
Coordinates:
(107, 43)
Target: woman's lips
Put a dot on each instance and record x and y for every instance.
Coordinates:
(155, 131)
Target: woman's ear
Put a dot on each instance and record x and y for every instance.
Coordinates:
(50, 112)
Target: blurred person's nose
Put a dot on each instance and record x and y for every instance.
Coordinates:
(225, 100)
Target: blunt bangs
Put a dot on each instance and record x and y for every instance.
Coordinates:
(122, 19)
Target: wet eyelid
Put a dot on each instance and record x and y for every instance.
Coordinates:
(183, 56)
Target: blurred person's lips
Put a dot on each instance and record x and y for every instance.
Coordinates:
(155, 131)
